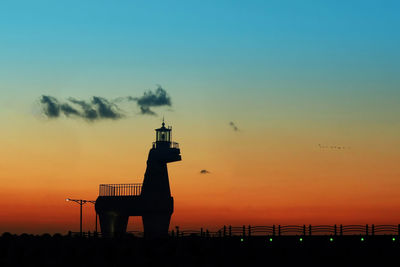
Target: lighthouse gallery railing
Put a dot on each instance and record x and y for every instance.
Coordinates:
(120, 189)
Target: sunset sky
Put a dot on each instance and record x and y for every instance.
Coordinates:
(312, 87)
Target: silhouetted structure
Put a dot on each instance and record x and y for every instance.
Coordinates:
(152, 201)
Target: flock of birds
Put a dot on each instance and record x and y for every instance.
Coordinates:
(333, 147)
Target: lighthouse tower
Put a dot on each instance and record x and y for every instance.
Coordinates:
(152, 200)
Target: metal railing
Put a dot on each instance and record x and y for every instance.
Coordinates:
(120, 189)
(171, 145)
(174, 145)
(282, 230)
(275, 230)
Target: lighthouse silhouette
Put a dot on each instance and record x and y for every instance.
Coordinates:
(152, 200)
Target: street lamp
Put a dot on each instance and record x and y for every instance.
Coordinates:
(81, 202)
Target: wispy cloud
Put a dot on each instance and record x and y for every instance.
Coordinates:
(98, 108)
(51, 107)
(152, 99)
(95, 109)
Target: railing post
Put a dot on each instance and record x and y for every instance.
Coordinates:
(309, 229)
(273, 230)
(207, 233)
(230, 230)
(373, 230)
(224, 230)
(279, 230)
(177, 231)
(366, 229)
(304, 229)
(249, 231)
(335, 230)
(201, 232)
(341, 229)
(244, 231)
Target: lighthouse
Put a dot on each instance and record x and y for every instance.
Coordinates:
(152, 200)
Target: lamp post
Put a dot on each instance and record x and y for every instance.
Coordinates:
(81, 202)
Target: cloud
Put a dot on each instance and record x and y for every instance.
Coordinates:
(234, 127)
(68, 110)
(147, 110)
(106, 109)
(204, 172)
(98, 108)
(88, 110)
(51, 107)
(152, 99)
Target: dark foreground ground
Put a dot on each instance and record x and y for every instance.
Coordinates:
(57, 250)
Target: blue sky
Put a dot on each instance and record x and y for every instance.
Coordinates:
(221, 51)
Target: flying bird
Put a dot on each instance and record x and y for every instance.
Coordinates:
(233, 125)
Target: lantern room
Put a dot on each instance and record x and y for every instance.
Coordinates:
(163, 134)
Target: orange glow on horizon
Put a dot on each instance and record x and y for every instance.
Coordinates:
(274, 180)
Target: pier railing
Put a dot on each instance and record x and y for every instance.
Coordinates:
(275, 231)
(293, 230)
(120, 189)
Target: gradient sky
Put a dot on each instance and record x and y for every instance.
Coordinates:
(290, 74)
